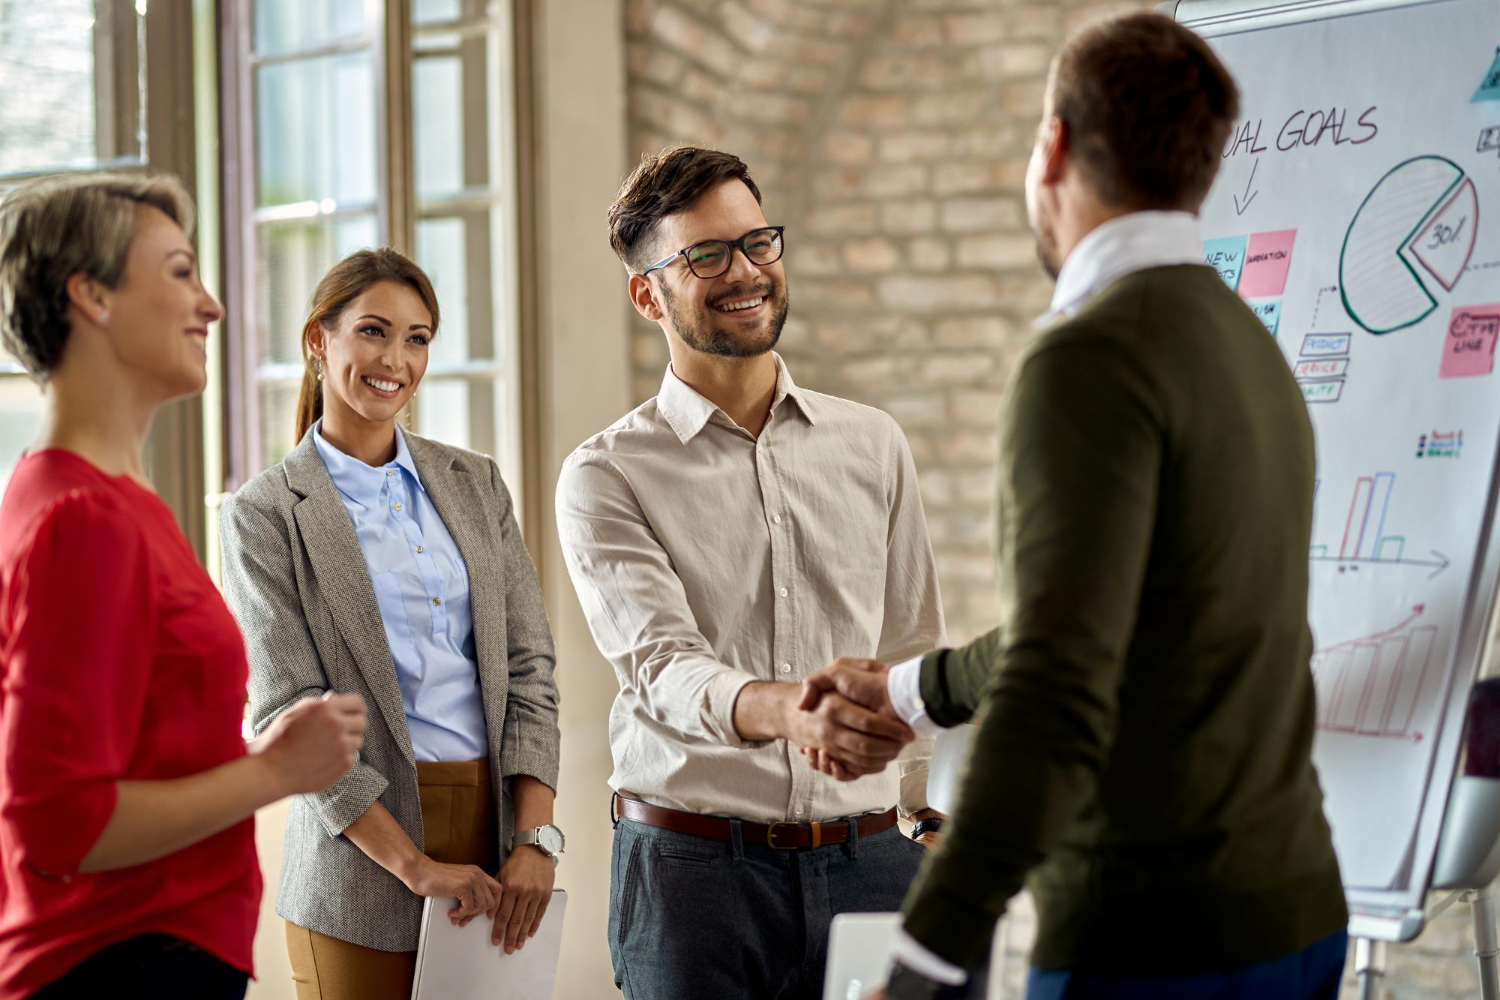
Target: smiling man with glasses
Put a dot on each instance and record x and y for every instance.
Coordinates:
(727, 538)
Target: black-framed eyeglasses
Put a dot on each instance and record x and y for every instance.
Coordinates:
(711, 258)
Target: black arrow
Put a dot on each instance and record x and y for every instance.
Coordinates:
(1240, 206)
(1443, 560)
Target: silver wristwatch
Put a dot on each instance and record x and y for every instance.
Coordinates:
(547, 839)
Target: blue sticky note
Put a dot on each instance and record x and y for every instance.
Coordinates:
(1227, 256)
(1489, 90)
(1268, 311)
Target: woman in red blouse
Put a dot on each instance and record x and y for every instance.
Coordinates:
(127, 852)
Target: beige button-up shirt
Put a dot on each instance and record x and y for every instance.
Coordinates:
(706, 558)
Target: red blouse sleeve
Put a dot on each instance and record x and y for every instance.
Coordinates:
(80, 644)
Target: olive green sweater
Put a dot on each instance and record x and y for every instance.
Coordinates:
(1145, 710)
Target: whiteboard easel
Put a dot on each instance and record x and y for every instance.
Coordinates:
(1364, 158)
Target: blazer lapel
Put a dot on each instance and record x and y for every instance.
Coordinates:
(344, 579)
(460, 502)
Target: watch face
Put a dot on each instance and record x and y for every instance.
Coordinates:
(550, 839)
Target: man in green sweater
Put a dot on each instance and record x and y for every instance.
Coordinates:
(1145, 710)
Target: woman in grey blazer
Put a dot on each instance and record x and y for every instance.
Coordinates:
(378, 562)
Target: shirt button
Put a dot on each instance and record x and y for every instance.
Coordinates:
(777, 518)
(783, 591)
(398, 506)
(786, 668)
(799, 810)
(390, 472)
(437, 602)
(419, 548)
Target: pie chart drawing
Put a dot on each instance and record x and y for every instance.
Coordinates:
(1414, 232)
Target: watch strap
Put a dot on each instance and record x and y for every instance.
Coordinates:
(532, 837)
(932, 824)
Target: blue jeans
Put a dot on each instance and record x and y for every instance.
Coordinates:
(1310, 974)
(691, 917)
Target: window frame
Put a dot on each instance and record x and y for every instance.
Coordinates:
(174, 458)
(390, 38)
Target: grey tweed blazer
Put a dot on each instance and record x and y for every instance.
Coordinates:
(296, 579)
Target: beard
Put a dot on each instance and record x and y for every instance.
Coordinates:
(1046, 253)
(710, 339)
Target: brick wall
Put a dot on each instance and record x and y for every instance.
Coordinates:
(891, 138)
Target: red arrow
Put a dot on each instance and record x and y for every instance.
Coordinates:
(1416, 612)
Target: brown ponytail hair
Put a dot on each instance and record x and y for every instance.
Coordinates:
(347, 281)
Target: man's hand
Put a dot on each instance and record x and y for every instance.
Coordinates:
(862, 681)
(863, 741)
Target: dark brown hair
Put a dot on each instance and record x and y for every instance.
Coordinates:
(348, 280)
(1148, 108)
(665, 184)
(55, 227)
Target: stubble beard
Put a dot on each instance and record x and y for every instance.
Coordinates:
(725, 343)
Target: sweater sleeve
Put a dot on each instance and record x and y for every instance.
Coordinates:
(79, 634)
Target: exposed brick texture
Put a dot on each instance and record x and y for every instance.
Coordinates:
(891, 138)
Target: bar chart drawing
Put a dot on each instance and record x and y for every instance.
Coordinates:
(1364, 540)
(1373, 686)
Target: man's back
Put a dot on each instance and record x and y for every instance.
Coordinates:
(1155, 511)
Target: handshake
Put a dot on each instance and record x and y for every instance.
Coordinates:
(845, 724)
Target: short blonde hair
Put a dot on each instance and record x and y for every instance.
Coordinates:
(55, 227)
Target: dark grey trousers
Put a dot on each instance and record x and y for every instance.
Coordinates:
(691, 918)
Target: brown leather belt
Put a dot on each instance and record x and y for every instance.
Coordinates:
(779, 836)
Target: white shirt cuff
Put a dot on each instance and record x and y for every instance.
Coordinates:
(904, 687)
(911, 953)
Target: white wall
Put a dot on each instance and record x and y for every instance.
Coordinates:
(585, 377)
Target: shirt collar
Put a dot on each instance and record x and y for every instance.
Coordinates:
(1119, 247)
(360, 482)
(687, 411)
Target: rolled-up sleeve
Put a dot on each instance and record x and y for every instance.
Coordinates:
(261, 590)
(79, 643)
(532, 739)
(637, 608)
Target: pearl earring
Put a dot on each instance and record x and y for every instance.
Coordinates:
(318, 364)
(104, 319)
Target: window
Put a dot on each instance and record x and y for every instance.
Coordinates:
(85, 85)
(353, 130)
(464, 177)
(50, 54)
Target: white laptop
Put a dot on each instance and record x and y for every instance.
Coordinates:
(859, 954)
(459, 963)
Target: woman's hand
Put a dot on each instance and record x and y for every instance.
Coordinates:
(526, 881)
(475, 891)
(313, 743)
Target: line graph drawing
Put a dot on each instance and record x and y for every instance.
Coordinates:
(1364, 541)
(1373, 685)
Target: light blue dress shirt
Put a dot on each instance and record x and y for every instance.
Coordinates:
(422, 587)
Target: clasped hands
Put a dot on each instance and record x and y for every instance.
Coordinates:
(851, 728)
(515, 899)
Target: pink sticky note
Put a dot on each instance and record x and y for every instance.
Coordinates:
(1267, 260)
(1469, 347)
